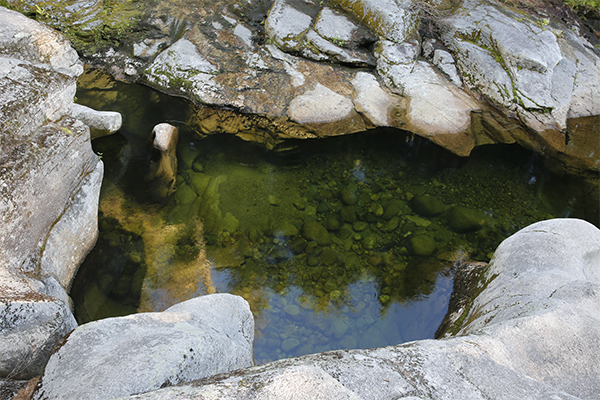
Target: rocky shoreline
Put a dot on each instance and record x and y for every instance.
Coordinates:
(524, 72)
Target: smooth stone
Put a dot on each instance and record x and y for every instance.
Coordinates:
(120, 356)
(348, 214)
(390, 225)
(332, 223)
(286, 229)
(345, 232)
(101, 123)
(427, 205)
(340, 328)
(392, 209)
(291, 309)
(349, 196)
(360, 226)
(329, 256)
(273, 200)
(298, 244)
(369, 242)
(421, 245)
(314, 231)
(290, 344)
(464, 220)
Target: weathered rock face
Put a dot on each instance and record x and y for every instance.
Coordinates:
(49, 182)
(543, 73)
(120, 356)
(31, 324)
(462, 76)
(531, 332)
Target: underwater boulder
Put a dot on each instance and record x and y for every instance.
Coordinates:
(421, 245)
(392, 209)
(348, 214)
(349, 196)
(465, 220)
(286, 229)
(332, 223)
(314, 231)
(427, 205)
(329, 256)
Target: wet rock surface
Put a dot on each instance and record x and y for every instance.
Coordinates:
(500, 349)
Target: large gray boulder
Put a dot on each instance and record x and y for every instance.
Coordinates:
(531, 332)
(49, 181)
(114, 357)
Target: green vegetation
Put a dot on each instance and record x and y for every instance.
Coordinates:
(578, 4)
(93, 28)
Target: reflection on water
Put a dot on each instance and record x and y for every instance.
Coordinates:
(340, 243)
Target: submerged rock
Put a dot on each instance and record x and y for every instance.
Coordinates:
(421, 245)
(427, 205)
(314, 231)
(464, 220)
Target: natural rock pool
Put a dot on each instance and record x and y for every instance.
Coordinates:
(345, 242)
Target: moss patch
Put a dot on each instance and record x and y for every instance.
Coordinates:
(469, 281)
(91, 28)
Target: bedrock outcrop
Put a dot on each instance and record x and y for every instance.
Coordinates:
(119, 356)
(49, 184)
(530, 332)
(461, 74)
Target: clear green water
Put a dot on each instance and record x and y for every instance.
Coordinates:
(347, 242)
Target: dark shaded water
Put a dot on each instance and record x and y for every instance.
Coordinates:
(347, 242)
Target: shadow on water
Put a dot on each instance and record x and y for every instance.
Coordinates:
(346, 242)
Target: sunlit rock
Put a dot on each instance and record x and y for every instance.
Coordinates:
(535, 71)
(32, 324)
(377, 106)
(163, 168)
(191, 340)
(49, 183)
(428, 90)
(287, 23)
(390, 19)
(325, 111)
(76, 230)
(101, 123)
